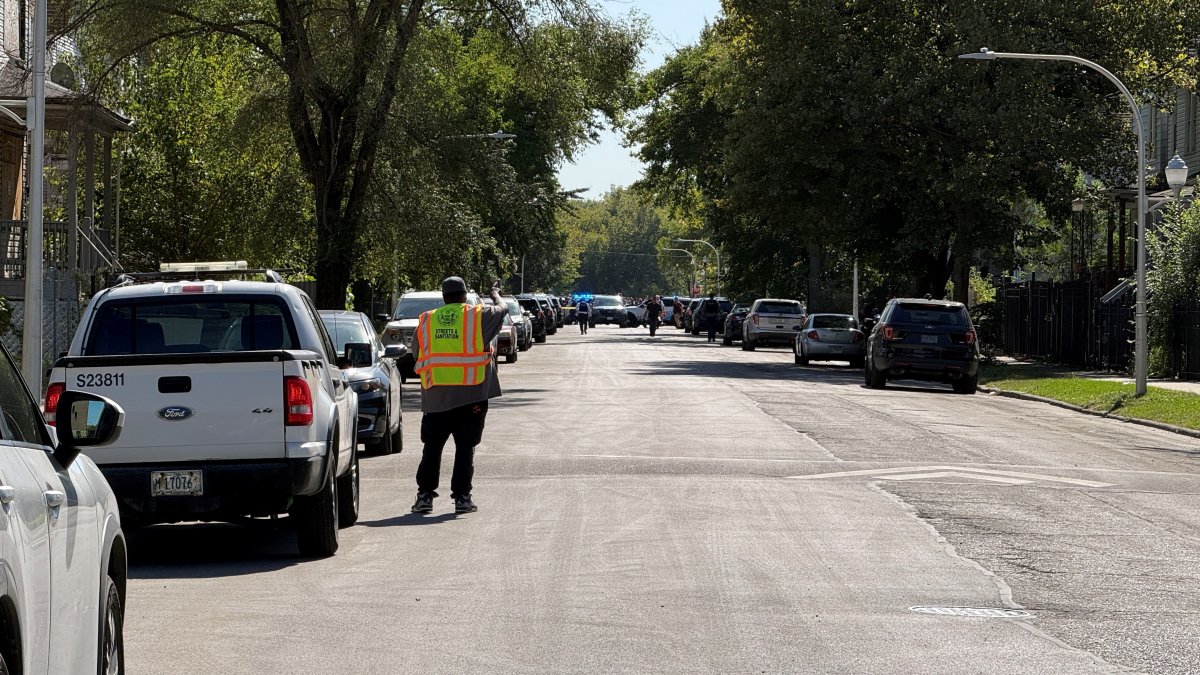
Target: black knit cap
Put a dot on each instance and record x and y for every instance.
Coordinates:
(454, 285)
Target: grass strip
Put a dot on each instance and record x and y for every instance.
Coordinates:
(1179, 408)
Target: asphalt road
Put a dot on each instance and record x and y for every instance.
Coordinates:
(669, 505)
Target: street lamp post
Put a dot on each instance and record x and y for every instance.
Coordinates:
(714, 248)
(1141, 348)
(693, 257)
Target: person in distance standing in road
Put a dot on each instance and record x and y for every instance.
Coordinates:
(458, 377)
(710, 310)
(654, 310)
(582, 311)
(677, 313)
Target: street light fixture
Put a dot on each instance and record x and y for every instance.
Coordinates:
(1141, 347)
(1177, 174)
(714, 248)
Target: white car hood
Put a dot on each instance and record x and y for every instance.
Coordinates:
(402, 323)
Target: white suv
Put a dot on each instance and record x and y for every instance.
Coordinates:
(62, 592)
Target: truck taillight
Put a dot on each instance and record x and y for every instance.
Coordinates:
(970, 337)
(889, 333)
(754, 319)
(50, 408)
(299, 401)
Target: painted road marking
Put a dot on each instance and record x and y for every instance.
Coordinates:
(958, 474)
(915, 472)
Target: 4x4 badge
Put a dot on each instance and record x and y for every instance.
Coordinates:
(259, 411)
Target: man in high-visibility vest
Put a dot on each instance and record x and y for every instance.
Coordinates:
(458, 376)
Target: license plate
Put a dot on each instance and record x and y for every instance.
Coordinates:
(169, 483)
(929, 339)
(779, 327)
(835, 349)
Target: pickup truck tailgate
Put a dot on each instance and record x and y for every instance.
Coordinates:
(191, 412)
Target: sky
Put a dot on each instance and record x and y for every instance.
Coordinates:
(674, 24)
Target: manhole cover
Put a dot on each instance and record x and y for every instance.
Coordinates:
(983, 612)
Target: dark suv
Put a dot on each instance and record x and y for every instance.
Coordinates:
(930, 340)
(537, 316)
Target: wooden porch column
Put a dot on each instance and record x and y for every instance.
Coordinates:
(1108, 238)
(89, 198)
(72, 201)
(1121, 240)
(108, 191)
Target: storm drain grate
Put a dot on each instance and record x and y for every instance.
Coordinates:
(982, 612)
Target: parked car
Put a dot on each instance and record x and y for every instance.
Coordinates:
(62, 548)
(374, 376)
(506, 341)
(537, 316)
(931, 340)
(560, 314)
(829, 337)
(772, 321)
(522, 322)
(402, 324)
(552, 322)
(733, 323)
(234, 399)
(608, 309)
(698, 314)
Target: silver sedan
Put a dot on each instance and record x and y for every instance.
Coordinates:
(830, 337)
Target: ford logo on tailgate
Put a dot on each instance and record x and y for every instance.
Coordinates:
(175, 412)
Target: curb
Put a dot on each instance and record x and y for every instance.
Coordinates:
(1161, 426)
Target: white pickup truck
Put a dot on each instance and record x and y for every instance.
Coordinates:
(234, 405)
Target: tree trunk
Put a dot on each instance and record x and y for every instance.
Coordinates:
(815, 267)
(962, 277)
(937, 272)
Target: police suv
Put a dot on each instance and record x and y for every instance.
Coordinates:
(234, 404)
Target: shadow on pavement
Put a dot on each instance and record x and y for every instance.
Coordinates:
(517, 396)
(208, 550)
(409, 519)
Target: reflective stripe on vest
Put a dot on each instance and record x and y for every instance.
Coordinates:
(451, 351)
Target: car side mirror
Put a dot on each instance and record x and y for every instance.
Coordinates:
(394, 351)
(359, 354)
(85, 420)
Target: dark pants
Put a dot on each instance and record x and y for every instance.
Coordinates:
(710, 322)
(654, 324)
(465, 424)
(583, 323)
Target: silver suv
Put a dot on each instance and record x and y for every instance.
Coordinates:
(402, 324)
(772, 321)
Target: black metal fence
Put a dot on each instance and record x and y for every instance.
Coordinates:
(1069, 323)
(1185, 357)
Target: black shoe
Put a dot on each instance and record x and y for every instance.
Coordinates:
(424, 503)
(464, 504)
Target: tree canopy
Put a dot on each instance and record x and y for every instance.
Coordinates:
(385, 104)
(805, 134)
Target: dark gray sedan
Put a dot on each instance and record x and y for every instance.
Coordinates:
(374, 376)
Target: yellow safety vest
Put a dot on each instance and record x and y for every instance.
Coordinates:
(451, 351)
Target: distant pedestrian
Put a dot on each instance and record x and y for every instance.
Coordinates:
(458, 376)
(710, 309)
(677, 313)
(582, 311)
(654, 310)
